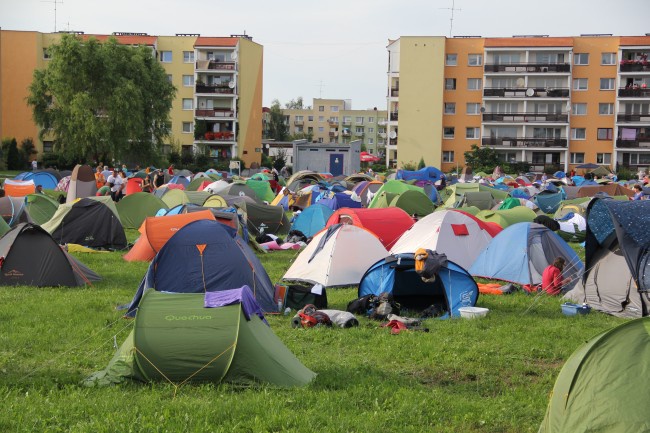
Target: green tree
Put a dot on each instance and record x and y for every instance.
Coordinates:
(102, 100)
(278, 128)
(309, 136)
(279, 159)
(14, 160)
(27, 150)
(294, 104)
(482, 158)
(421, 164)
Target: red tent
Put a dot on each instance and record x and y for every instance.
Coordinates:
(388, 224)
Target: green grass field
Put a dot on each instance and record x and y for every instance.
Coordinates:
(487, 375)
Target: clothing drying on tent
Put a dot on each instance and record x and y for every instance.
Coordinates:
(452, 288)
(206, 256)
(617, 258)
(388, 224)
(30, 257)
(338, 200)
(226, 340)
(602, 387)
(521, 252)
(337, 256)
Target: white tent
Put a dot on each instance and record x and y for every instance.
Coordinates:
(451, 232)
(337, 256)
(217, 186)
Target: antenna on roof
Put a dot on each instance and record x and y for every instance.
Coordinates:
(451, 20)
(55, 3)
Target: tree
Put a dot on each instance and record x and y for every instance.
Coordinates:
(102, 100)
(294, 104)
(309, 136)
(27, 150)
(278, 128)
(279, 159)
(481, 158)
(14, 161)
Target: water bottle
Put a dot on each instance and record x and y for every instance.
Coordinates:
(287, 311)
(279, 305)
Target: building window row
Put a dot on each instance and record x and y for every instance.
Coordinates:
(472, 60)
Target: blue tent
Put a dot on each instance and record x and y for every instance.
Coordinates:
(44, 178)
(180, 180)
(312, 220)
(430, 174)
(206, 256)
(453, 287)
(338, 200)
(520, 253)
(549, 202)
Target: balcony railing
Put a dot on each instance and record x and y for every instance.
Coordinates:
(215, 112)
(221, 89)
(394, 92)
(642, 142)
(532, 92)
(394, 116)
(528, 67)
(644, 118)
(218, 136)
(214, 65)
(635, 67)
(634, 93)
(298, 122)
(525, 117)
(347, 122)
(358, 133)
(333, 123)
(524, 142)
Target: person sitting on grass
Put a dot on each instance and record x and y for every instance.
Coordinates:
(552, 282)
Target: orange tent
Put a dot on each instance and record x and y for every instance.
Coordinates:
(133, 185)
(19, 188)
(156, 231)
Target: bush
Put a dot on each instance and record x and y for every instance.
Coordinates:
(421, 164)
(625, 173)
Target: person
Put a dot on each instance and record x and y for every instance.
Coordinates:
(103, 191)
(552, 282)
(146, 184)
(638, 192)
(170, 170)
(158, 179)
(274, 172)
(572, 173)
(116, 183)
(34, 165)
(39, 189)
(100, 180)
(125, 171)
(287, 199)
(284, 172)
(106, 172)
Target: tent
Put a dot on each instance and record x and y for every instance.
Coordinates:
(617, 258)
(263, 218)
(215, 201)
(197, 337)
(337, 256)
(44, 178)
(430, 174)
(40, 207)
(548, 201)
(82, 183)
(366, 190)
(388, 224)
(134, 208)
(412, 201)
(91, 222)
(480, 199)
(458, 235)
(521, 252)
(133, 185)
(30, 257)
(312, 220)
(452, 289)
(602, 386)
(206, 256)
(239, 188)
(338, 200)
(262, 189)
(507, 217)
(19, 188)
(13, 210)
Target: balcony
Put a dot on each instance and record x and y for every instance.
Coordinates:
(634, 66)
(528, 67)
(358, 134)
(333, 123)
(394, 116)
(218, 89)
(634, 93)
(334, 134)
(346, 133)
(347, 122)
(524, 142)
(639, 142)
(641, 118)
(525, 117)
(207, 65)
(214, 112)
(394, 92)
(218, 136)
(298, 122)
(392, 141)
(518, 92)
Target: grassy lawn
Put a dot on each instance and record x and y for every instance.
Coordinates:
(488, 375)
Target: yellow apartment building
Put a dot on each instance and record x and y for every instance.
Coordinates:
(547, 101)
(218, 81)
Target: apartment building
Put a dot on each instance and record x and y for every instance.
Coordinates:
(547, 101)
(334, 121)
(218, 81)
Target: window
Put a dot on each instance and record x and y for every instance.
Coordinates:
(371, 141)
(334, 119)
(474, 59)
(579, 109)
(310, 130)
(46, 54)
(359, 129)
(169, 77)
(473, 108)
(472, 132)
(188, 80)
(321, 108)
(473, 84)
(450, 84)
(359, 121)
(188, 56)
(578, 133)
(188, 127)
(334, 108)
(580, 84)
(447, 156)
(188, 104)
(48, 146)
(605, 108)
(608, 59)
(371, 130)
(299, 118)
(166, 56)
(606, 84)
(577, 158)
(605, 133)
(310, 118)
(299, 129)
(371, 120)
(321, 129)
(448, 132)
(603, 158)
(581, 59)
(451, 60)
(450, 108)
(321, 118)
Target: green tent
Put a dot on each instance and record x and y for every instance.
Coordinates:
(135, 208)
(413, 203)
(40, 207)
(4, 227)
(394, 187)
(174, 197)
(451, 194)
(262, 189)
(177, 339)
(509, 203)
(265, 218)
(507, 217)
(603, 385)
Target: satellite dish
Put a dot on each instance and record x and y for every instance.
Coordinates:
(393, 134)
(530, 92)
(233, 55)
(482, 109)
(520, 82)
(231, 84)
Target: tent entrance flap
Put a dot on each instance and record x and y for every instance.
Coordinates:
(413, 293)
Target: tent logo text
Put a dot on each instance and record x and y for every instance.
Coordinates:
(171, 317)
(14, 273)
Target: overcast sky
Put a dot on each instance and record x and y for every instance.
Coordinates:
(334, 48)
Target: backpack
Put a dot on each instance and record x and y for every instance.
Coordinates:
(385, 305)
(311, 317)
(297, 296)
(362, 305)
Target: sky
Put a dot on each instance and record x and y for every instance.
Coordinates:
(331, 49)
